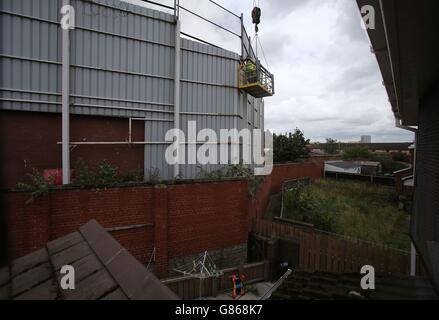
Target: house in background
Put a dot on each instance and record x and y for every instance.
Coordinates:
(369, 168)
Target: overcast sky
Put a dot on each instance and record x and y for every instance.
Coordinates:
(328, 83)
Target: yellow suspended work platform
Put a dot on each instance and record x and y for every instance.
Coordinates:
(254, 79)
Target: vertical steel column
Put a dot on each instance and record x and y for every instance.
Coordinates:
(177, 62)
(65, 102)
(242, 35)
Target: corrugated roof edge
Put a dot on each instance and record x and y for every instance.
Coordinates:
(126, 6)
(187, 44)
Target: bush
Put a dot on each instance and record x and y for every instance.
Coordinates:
(84, 175)
(400, 157)
(357, 153)
(106, 174)
(355, 209)
(38, 185)
(388, 165)
(331, 146)
(102, 174)
(290, 147)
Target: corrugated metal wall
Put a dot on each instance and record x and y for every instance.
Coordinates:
(122, 65)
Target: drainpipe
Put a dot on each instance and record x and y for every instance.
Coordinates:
(399, 125)
(65, 103)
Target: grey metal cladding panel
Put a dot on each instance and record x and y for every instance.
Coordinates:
(209, 69)
(127, 87)
(123, 54)
(188, 44)
(108, 18)
(27, 75)
(215, 123)
(155, 131)
(208, 99)
(191, 171)
(124, 62)
(155, 154)
(140, 10)
(155, 161)
(43, 9)
(29, 38)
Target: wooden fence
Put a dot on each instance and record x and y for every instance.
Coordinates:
(326, 252)
(193, 288)
(382, 180)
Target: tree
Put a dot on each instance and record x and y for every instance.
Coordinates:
(357, 153)
(290, 147)
(330, 146)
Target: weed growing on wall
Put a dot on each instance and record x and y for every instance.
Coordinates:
(38, 185)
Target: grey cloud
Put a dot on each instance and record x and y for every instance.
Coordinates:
(328, 83)
(275, 9)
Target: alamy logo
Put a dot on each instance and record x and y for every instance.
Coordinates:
(368, 280)
(368, 17)
(67, 17)
(68, 280)
(205, 148)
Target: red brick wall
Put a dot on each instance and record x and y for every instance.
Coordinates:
(187, 218)
(206, 216)
(30, 139)
(273, 184)
(285, 172)
(61, 212)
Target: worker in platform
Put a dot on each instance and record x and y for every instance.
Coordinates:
(250, 71)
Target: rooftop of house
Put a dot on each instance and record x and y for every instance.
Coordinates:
(330, 286)
(352, 164)
(391, 146)
(104, 270)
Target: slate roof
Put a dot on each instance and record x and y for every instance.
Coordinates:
(351, 164)
(344, 164)
(331, 286)
(104, 270)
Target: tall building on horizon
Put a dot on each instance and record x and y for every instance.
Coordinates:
(366, 139)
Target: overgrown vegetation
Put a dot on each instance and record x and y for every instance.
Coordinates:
(331, 146)
(233, 171)
(355, 209)
(290, 147)
(86, 175)
(38, 185)
(103, 173)
(389, 165)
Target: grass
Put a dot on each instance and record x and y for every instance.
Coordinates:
(355, 209)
